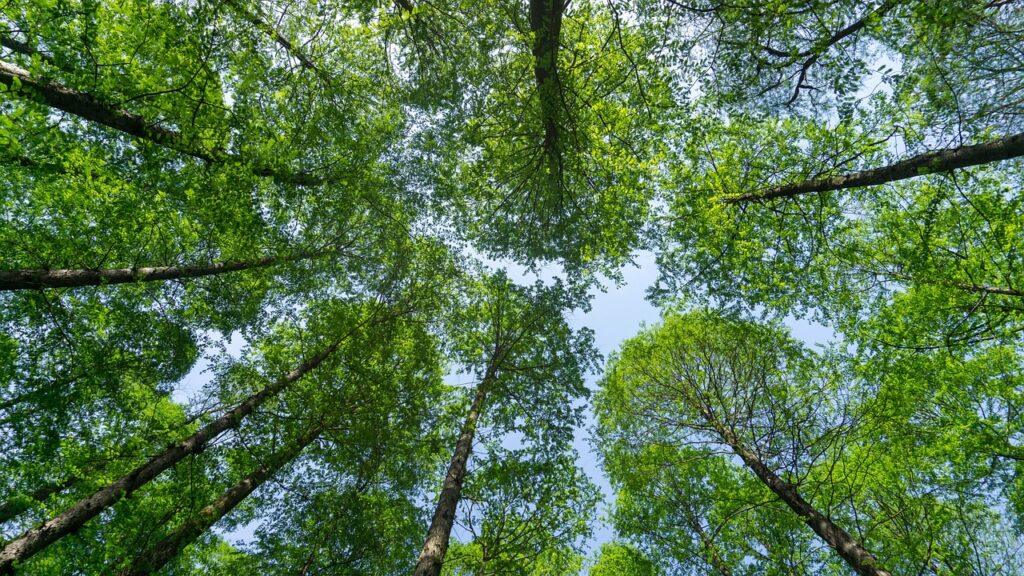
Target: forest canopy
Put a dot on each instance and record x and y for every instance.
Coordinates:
(302, 287)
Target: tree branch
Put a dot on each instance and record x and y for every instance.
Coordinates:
(86, 106)
(945, 160)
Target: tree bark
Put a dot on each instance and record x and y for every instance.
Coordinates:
(86, 106)
(68, 278)
(38, 538)
(23, 48)
(930, 162)
(436, 545)
(155, 557)
(546, 25)
(849, 549)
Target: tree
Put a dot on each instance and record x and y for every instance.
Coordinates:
(728, 440)
(727, 381)
(517, 342)
(620, 559)
(291, 200)
(527, 511)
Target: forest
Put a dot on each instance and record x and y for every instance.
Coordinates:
(304, 287)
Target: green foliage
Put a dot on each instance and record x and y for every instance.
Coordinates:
(618, 559)
(377, 151)
(671, 391)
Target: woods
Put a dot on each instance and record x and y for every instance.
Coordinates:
(315, 287)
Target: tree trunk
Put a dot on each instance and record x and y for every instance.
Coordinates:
(23, 48)
(546, 25)
(937, 161)
(82, 511)
(75, 277)
(156, 556)
(86, 106)
(436, 545)
(850, 550)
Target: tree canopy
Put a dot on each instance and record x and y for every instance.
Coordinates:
(300, 287)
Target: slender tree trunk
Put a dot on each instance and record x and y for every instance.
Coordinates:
(436, 545)
(155, 557)
(75, 277)
(86, 106)
(937, 161)
(38, 538)
(849, 549)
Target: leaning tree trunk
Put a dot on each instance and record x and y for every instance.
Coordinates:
(155, 557)
(436, 545)
(75, 277)
(84, 105)
(849, 549)
(936, 161)
(38, 538)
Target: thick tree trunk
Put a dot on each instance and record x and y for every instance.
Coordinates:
(86, 106)
(68, 278)
(927, 163)
(849, 549)
(38, 538)
(155, 557)
(436, 545)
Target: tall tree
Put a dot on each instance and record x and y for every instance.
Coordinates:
(517, 341)
(527, 512)
(700, 377)
(36, 539)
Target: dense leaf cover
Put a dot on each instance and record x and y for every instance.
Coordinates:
(257, 313)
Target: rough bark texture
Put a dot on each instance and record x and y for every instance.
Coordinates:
(86, 106)
(436, 545)
(68, 278)
(927, 163)
(38, 538)
(155, 557)
(849, 549)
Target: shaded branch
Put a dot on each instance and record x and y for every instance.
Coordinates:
(156, 556)
(546, 25)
